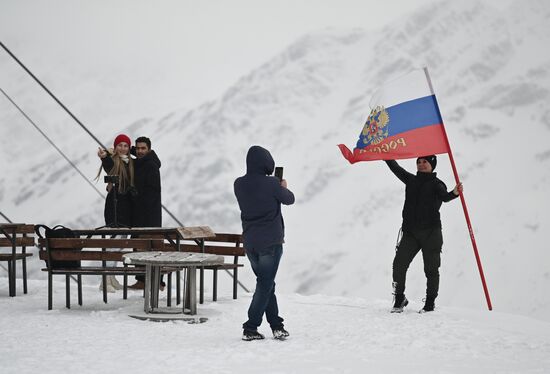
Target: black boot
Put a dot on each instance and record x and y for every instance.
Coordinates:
(399, 303)
(429, 304)
(280, 333)
(249, 335)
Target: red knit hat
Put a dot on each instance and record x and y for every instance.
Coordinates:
(122, 139)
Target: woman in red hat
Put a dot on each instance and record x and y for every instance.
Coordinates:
(119, 166)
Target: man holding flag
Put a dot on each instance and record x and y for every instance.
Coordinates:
(405, 122)
(421, 228)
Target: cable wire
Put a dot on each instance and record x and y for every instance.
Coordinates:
(51, 142)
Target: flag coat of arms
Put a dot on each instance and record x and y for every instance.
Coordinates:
(404, 122)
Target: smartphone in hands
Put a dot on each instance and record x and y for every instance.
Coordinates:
(279, 173)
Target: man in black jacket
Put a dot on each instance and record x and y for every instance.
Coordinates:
(147, 206)
(421, 228)
(260, 197)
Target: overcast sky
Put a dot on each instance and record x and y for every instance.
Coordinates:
(152, 57)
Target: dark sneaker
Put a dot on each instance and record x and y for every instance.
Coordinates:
(399, 303)
(280, 334)
(252, 335)
(429, 305)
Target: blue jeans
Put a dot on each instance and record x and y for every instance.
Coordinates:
(265, 263)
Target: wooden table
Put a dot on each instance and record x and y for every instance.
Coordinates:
(155, 261)
(174, 235)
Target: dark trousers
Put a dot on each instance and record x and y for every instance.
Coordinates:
(430, 242)
(265, 263)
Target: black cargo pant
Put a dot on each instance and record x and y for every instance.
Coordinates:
(430, 242)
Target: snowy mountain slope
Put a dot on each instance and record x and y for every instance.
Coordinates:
(491, 75)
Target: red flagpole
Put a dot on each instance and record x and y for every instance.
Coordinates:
(466, 215)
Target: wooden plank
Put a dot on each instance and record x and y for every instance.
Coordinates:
(99, 270)
(217, 250)
(198, 232)
(20, 241)
(19, 227)
(76, 255)
(224, 266)
(18, 256)
(143, 244)
(134, 231)
(235, 239)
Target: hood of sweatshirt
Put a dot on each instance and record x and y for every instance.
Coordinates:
(259, 161)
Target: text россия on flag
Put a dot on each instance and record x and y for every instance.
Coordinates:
(404, 122)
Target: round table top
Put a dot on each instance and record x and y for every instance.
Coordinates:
(172, 258)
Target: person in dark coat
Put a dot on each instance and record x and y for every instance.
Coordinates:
(260, 197)
(421, 228)
(117, 163)
(147, 205)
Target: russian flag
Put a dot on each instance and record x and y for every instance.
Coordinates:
(404, 122)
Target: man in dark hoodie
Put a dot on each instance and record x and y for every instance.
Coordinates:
(421, 228)
(147, 206)
(260, 197)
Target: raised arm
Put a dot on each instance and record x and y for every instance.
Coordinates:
(283, 194)
(107, 163)
(399, 172)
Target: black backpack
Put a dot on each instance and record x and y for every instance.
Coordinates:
(58, 231)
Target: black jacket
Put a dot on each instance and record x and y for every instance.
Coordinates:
(260, 197)
(424, 194)
(124, 201)
(147, 205)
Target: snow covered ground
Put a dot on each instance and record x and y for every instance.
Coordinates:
(328, 335)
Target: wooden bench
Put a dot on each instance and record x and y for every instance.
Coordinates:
(16, 236)
(87, 251)
(225, 245)
(90, 249)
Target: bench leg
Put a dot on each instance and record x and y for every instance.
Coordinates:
(235, 283)
(104, 280)
(178, 287)
(125, 285)
(79, 285)
(215, 286)
(68, 291)
(50, 291)
(201, 287)
(169, 290)
(10, 281)
(24, 275)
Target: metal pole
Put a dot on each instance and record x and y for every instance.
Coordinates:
(6, 218)
(466, 215)
(50, 93)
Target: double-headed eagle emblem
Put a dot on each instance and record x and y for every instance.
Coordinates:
(375, 129)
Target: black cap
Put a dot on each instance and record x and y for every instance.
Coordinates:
(431, 159)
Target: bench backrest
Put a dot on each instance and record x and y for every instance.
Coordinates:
(222, 244)
(98, 249)
(24, 235)
(93, 249)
